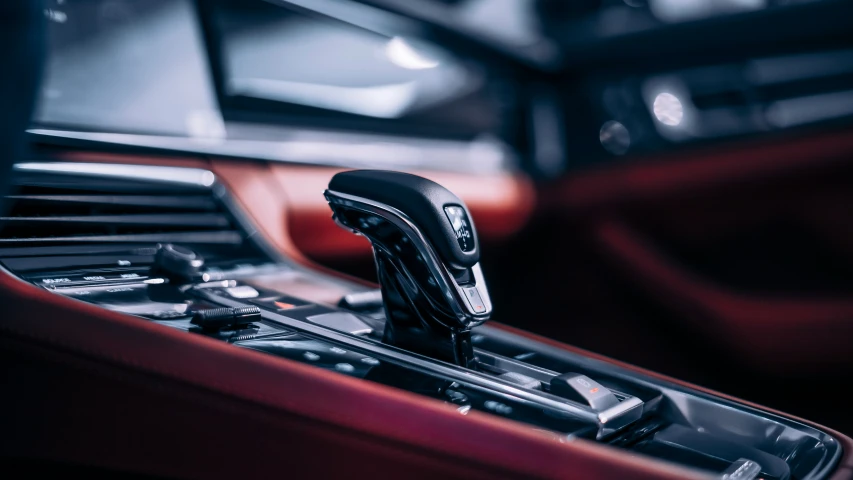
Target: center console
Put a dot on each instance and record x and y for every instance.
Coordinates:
(168, 246)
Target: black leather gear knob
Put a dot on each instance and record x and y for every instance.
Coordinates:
(441, 216)
(426, 252)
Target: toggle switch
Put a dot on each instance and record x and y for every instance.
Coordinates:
(475, 300)
(225, 317)
(582, 389)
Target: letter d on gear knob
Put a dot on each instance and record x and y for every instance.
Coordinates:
(462, 226)
(426, 253)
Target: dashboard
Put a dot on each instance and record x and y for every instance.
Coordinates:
(632, 96)
(177, 194)
(220, 98)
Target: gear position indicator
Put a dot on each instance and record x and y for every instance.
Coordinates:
(461, 226)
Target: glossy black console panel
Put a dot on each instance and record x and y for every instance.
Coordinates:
(486, 380)
(674, 423)
(514, 377)
(806, 451)
(363, 364)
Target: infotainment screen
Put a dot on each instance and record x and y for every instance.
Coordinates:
(127, 66)
(281, 62)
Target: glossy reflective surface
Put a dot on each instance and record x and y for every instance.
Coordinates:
(424, 309)
(353, 362)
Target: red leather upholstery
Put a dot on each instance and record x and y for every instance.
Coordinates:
(764, 331)
(701, 198)
(680, 173)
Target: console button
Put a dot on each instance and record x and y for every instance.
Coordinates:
(177, 262)
(362, 301)
(53, 281)
(742, 469)
(583, 389)
(456, 397)
(498, 407)
(342, 322)
(94, 278)
(279, 303)
(219, 318)
(474, 299)
(242, 292)
(521, 380)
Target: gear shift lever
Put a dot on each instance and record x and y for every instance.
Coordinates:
(426, 254)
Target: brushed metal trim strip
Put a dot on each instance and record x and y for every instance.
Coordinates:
(181, 175)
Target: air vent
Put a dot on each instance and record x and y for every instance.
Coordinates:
(87, 208)
(757, 95)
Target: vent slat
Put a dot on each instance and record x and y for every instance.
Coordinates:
(67, 214)
(157, 201)
(98, 185)
(225, 237)
(210, 220)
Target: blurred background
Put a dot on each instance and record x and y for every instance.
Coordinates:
(682, 177)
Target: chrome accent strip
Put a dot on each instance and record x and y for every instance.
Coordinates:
(493, 359)
(321, 148)
(181, 175)
(224, 237)
(621, 412)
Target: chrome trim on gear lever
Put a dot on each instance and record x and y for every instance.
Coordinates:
(428, 310)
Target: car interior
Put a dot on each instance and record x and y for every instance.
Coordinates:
(427, 239)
